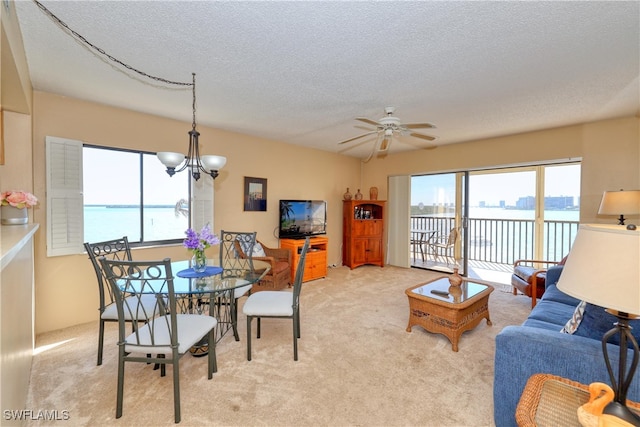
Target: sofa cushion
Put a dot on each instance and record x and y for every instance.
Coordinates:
(551, 312)
(552, 293)
(596, 322)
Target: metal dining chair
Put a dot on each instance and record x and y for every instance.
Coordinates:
(159, 330)
(117, 250)
(277, 304)
(232, 245)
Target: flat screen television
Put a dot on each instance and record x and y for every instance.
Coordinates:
(302, 218)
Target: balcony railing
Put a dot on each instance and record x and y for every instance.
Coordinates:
(503, 241)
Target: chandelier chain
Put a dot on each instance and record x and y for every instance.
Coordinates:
(108, 56)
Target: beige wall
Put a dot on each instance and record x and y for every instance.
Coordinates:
(610, 153)
(66, 291)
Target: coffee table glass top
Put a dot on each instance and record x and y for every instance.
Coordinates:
(442, 290)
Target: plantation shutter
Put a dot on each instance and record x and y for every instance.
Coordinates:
(65, 228)
(202, 203)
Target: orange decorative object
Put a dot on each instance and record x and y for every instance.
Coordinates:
(590, 414)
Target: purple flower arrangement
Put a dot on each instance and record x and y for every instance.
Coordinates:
(200, 241)
(197, 243)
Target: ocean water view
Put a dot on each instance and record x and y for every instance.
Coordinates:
(503, 235)
(112, 222)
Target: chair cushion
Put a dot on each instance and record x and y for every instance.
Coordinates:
(269, 303)
(525, 272)
(191, 329)
(240, 291)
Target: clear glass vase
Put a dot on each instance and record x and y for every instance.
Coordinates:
(199, 261)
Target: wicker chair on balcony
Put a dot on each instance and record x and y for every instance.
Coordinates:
(529, 277)
(279, 276)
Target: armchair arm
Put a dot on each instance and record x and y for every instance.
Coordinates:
(271, 260)
(535, 261)
(279, 254)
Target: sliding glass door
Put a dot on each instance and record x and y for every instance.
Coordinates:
(438, 212)
(498, 216)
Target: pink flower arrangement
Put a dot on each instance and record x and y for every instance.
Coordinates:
(18, 199)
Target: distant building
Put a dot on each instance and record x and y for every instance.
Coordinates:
(550, 203)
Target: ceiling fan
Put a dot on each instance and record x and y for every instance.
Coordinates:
(388, 127)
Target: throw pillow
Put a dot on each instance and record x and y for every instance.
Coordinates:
(596, 322)
(258, 250)
(576, 319)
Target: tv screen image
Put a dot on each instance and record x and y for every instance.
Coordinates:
(301, 218)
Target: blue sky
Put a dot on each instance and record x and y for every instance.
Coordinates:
(561, 180)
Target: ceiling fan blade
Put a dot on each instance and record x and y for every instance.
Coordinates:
(419, 126)
(369, 121)
(421, 136)
(356, 137)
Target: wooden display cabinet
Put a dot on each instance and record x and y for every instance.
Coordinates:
(362, 232)
(315, 266)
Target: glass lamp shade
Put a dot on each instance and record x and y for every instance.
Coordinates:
(213, 163)
(169, 159)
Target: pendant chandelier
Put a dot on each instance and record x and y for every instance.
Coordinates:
(193, 161)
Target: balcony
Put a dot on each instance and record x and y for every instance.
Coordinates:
(495, 244)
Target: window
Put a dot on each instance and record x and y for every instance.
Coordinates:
(137, 198)
(98, 193)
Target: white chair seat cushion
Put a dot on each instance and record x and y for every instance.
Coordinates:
(148, 302)
(269, 303)
(238, 292)
(191, 329)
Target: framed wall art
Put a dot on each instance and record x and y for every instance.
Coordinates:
(255, 194)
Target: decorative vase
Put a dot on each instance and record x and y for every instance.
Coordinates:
(358, 195)
(456, 293)
(455, 279)
(13, 216)
(347, 195)
(199, 261)
(373, 193)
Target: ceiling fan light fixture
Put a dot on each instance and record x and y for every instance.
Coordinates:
(387, 127)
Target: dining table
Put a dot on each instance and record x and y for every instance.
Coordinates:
(213, 290)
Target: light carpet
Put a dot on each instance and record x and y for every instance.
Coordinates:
(357, 366)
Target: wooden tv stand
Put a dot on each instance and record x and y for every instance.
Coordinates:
(315, 266)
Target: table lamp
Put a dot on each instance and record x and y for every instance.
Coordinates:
(620, 203)
(603, 268)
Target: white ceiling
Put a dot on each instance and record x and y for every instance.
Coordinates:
(301, 72)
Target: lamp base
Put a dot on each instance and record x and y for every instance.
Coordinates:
(619, 410)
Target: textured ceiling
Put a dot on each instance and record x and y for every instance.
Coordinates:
(301, 72)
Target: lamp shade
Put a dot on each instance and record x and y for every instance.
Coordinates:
(603, 267)
(213, 163)
(169, 159)
(620, 203)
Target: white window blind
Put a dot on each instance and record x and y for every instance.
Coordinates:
(65, 230)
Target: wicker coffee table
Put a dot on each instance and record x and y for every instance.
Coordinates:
(443, 309)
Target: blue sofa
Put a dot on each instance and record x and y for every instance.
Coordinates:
(538, 346)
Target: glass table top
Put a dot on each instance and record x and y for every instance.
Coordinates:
(442, 290)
